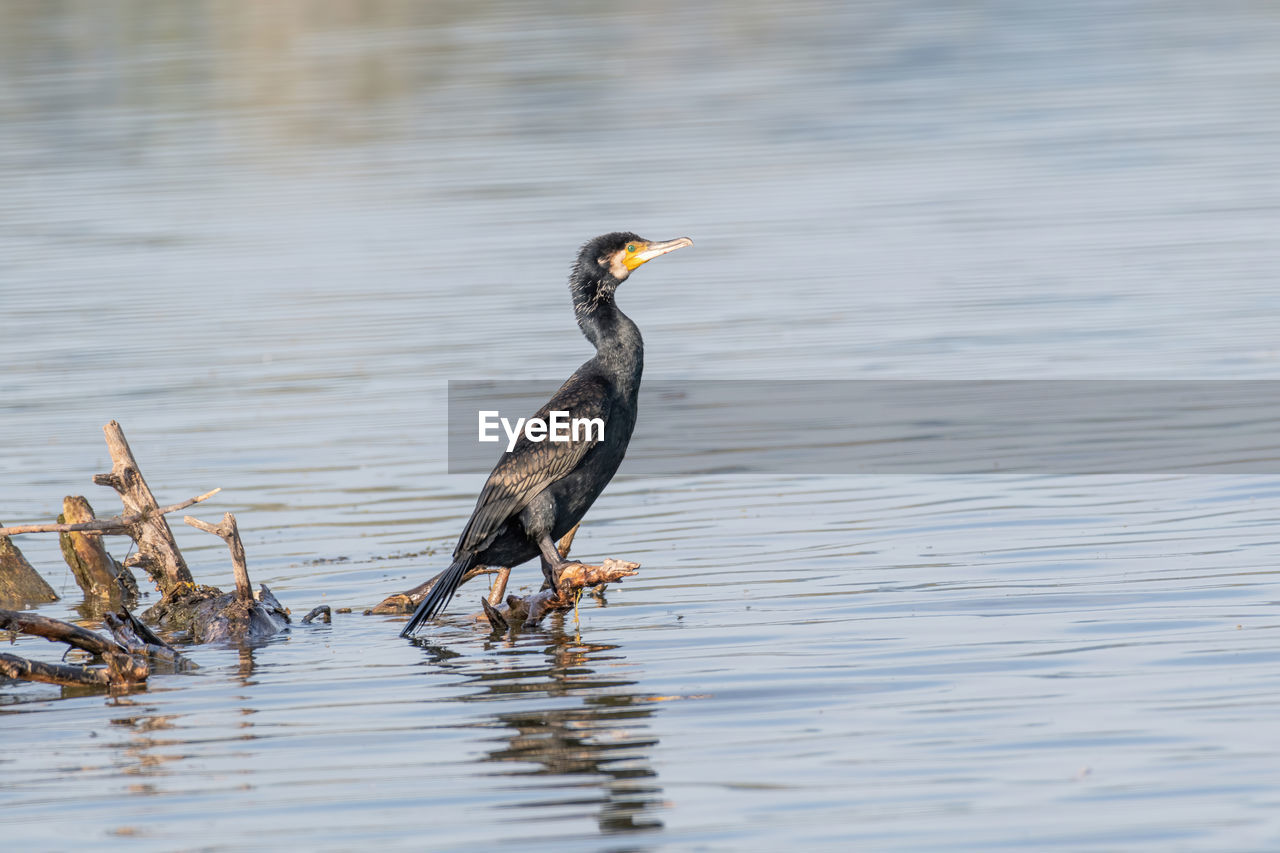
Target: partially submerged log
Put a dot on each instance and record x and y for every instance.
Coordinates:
(204, 612)
(529, 610)
(20, 584)
(321, 612)
(139, 640)
(234, 615)
(524, 611)
(123, 669)
(228, 617)
(104, 581)
(408, 601)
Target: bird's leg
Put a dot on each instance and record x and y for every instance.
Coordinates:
(499, 586)
(553, 563)
(554, 566)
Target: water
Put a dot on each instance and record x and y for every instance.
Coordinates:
(265, 236)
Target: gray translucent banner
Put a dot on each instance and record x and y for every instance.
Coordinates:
(914, 427)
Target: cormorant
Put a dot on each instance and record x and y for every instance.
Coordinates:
(539, 490)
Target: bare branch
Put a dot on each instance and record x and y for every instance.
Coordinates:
(114, 525)
(229, 533)
(158, 552)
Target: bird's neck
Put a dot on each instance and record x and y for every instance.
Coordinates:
(619, 347)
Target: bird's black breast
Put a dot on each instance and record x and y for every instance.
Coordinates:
(573, 473)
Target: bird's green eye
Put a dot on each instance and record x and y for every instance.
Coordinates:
(631, 247)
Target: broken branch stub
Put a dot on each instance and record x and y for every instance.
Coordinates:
(158, 552)
(228, 532)
(100, 577)
(241, 615)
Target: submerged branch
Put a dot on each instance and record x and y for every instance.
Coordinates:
(21, 669)
(123, 668)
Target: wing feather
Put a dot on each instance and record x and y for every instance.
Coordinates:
(529, 467)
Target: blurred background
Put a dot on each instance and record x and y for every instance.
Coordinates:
(263, 236)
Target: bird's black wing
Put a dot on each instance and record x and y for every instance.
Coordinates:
(530, 466)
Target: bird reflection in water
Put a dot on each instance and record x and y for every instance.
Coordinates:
(599, 748)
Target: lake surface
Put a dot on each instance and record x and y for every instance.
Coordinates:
(264, 237)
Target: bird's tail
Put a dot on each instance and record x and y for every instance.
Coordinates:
(447, 582)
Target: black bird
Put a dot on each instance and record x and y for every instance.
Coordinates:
(539, 490)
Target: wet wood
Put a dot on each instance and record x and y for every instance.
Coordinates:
(122, 668)
(575, 578)
(100, 577)
(322, 612)
(115, 525)
(20, 584)
(123, 630)
(158, 553)
(239, 615)
(205, 613)
(497, 621)
(408, 601)
(499, 588)
(229, 533)
(22, 669)
(229, 618)
(529, 610)
(56, 631)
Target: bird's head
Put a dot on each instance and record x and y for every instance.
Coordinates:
(606, 261)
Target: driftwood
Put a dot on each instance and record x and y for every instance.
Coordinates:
(408, 601)
(104, 581)
(322, 612)
(228, 532)
(123, 669)
(138, 639)
(576, 577)
(529, 610)
(158, 553)
(233, 615)
(20, 584)
(205, 613)
(116, 524)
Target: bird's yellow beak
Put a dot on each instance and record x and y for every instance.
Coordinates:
(648, 251)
